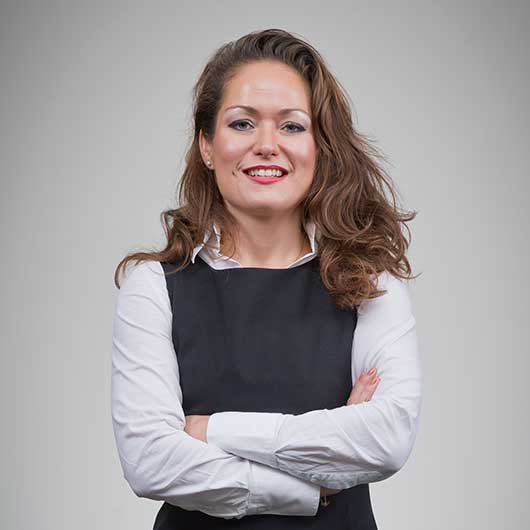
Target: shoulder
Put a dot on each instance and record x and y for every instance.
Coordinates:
(142, 306)
(393, 307)
(382, 320)
(146, 277)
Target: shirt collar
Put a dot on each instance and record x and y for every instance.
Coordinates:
(213, 236)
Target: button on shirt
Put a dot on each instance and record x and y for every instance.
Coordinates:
(257, 462)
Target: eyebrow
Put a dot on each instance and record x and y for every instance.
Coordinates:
(252, 110)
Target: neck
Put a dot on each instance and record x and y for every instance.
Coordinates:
(269, 243)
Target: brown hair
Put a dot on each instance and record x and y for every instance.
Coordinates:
(352, 200)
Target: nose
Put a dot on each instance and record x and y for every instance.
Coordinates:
(266, 142)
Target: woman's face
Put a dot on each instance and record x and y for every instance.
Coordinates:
(274, 129)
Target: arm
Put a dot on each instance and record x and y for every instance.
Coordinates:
(159, 460)
(352, 444)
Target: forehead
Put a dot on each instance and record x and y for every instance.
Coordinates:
(267, 85)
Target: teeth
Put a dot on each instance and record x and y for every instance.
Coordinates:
(265, 173)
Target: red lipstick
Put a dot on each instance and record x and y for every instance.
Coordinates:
(265, 180)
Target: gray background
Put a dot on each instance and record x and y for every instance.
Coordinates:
(95, 108)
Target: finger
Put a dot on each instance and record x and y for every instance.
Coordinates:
(364, 379)
(363, 382)
(359, 388)
(368, 376)
(370, 389)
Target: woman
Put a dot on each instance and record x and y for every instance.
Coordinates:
(282, 282)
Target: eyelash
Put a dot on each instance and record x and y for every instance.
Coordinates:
(301, 129)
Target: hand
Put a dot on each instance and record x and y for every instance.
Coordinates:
(197, 426)
(328, 491)
(364, 388)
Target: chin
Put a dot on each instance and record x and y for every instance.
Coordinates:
(265, 208)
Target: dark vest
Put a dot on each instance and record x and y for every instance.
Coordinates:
(262, 340)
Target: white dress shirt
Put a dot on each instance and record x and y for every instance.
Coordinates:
(257, 462)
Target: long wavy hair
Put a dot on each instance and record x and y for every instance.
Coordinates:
(352, 200)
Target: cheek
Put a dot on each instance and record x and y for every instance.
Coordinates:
(230, 147)
(305, 152)
(306, 160)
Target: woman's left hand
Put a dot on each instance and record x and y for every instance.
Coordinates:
(196, 426)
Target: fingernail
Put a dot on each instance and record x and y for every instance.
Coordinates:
(372, 371)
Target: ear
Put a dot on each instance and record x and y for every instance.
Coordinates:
(206, 150)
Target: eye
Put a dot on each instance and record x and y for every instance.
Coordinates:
(299, 127)
(235, 123)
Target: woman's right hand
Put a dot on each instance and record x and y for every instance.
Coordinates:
(364, 387)
(362, 390)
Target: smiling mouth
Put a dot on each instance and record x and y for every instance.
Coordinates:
(265, 174)
(263, 179)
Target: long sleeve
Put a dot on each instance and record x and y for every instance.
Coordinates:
(159, 459)
(352, 444)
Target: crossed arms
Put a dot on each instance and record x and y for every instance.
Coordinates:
(267, 463)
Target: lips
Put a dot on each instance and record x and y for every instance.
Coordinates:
(261, 166)
(264, 179)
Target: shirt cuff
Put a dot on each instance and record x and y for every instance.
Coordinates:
(249, 435)
(275, 492)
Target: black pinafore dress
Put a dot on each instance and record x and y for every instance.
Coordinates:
(262, 340)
